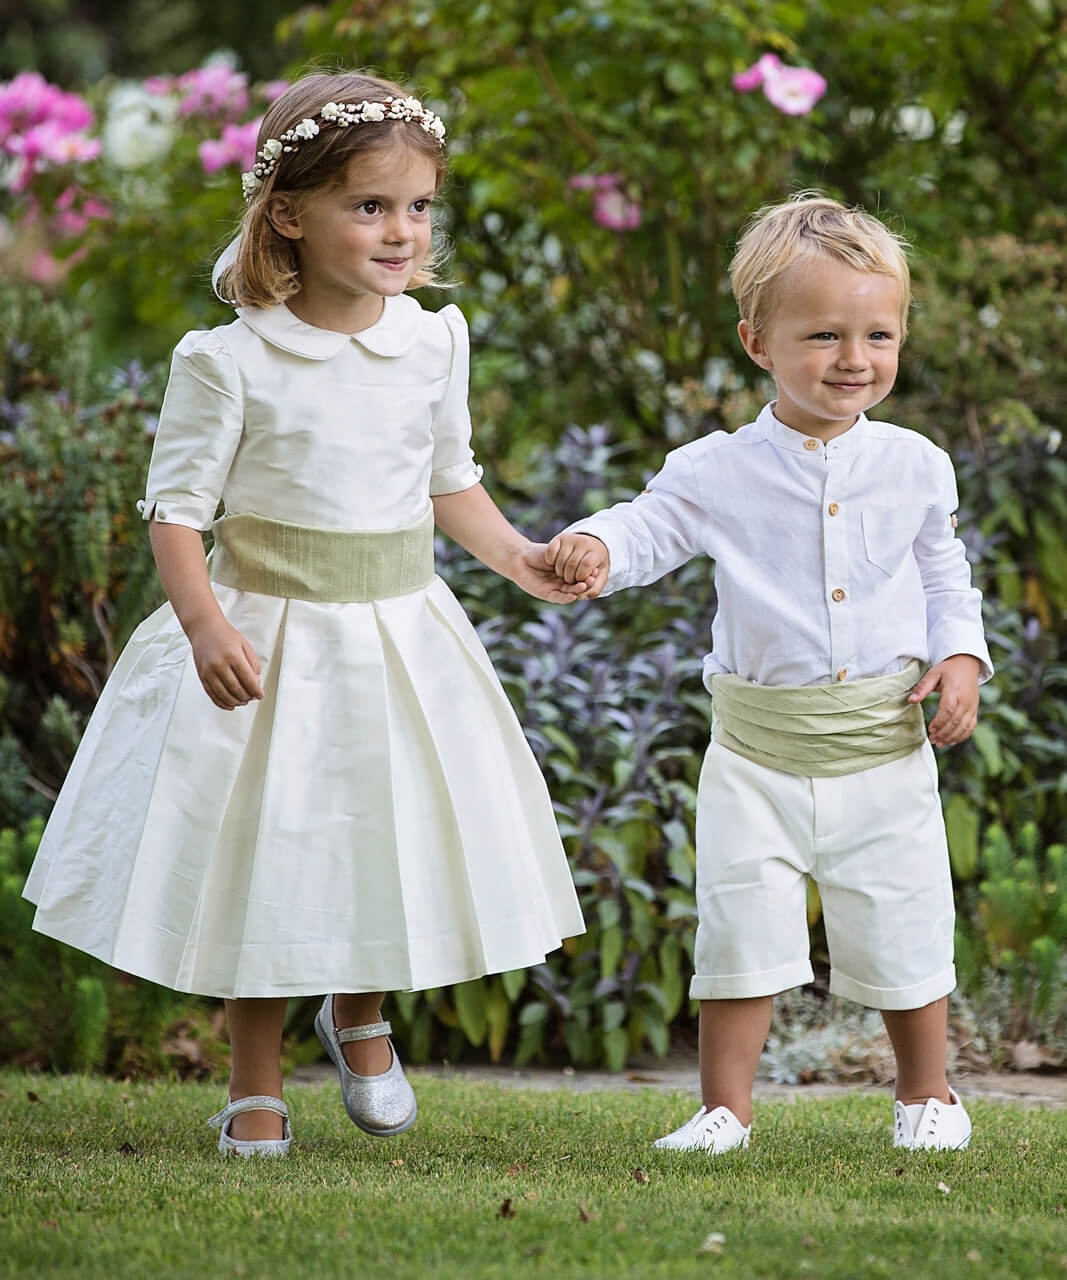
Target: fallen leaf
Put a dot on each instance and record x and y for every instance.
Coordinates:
(514, 1169)
(584, 1214)
(713, 1243)
(899, 1172)
(397, 1162)
(506, 1210)
(944, 1188)
(638, 1078)
(973, 1255)
(31, 1096)
(530, 1195)
(809, 1242)
(641, 1177)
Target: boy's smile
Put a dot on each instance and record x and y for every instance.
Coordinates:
(832, 345)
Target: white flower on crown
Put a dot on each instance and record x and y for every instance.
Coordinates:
(339, 114)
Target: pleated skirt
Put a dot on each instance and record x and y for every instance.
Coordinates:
(376, 822)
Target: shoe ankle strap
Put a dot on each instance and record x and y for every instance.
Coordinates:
(345, 1035)
(257, 1102)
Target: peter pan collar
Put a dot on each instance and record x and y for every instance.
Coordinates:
(395, 334)
(850, 441)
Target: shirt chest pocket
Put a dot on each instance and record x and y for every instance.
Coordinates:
(888, 534)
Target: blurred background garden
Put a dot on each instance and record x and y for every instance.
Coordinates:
(604, 155)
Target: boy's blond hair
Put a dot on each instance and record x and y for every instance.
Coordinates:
(806, 226)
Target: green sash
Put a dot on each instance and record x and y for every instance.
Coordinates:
(819, 730)
(342, 566)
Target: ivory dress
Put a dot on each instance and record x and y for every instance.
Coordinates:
(377, 821)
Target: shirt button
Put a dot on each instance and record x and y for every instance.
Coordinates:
(811, 444)
(833, 508)
(842, 675)
(837, 595)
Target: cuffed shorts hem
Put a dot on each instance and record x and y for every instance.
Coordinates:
(913, 997)
(746, 986)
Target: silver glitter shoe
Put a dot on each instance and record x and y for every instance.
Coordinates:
(381, 1105)
(265, 1147)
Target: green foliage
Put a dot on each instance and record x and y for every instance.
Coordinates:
(1017, 927)
(76, 572)
(64, 1010)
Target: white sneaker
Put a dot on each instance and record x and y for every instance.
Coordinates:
(936, 1126)
(711, 1131)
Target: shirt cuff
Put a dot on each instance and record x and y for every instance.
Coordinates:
(454, 479)
(947, 644)
(176, 511)
(600, 526)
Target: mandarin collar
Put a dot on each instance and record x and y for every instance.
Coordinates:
(394, 334)
(850, 441)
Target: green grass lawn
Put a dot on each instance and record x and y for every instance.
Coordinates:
(99, 1179)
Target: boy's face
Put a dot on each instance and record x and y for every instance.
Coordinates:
(832, 344)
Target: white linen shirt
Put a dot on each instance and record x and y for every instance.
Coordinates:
(833, 561)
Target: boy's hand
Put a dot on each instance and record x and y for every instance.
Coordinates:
(957, 680)
(579, 557)
(226, 664)
(529, 569)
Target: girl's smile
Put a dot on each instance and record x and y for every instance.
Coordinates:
(362, 240)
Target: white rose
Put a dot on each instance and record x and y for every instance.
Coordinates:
(139, 126)
(373, 111)
(307, 128)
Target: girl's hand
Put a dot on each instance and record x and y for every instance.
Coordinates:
(957, 680)
(226, 664)
(529, 569)
(579, 557)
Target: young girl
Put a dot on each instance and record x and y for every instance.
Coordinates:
(844, 600)
(303, 774)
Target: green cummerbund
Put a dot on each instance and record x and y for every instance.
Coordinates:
(819, 730)
(345, 566)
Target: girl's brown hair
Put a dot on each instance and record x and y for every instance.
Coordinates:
(266, 270)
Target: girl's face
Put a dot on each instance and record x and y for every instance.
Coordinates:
(369, 235)
(832, 344)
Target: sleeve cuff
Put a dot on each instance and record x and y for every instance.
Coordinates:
(947, 646)
(454, 479)
(599, 527)
(169, 511)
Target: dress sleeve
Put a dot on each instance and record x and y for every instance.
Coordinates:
(953, 603)
(658, 531)
(199, 430)
(454, 468)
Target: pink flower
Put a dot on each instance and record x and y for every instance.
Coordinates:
(75, 209)
(42, 268)
(794, 90)
(236, 146)
(272, 89)
(216, 90)
(159, 84)
(613, 210)
(29, 100)
(45, 145)
(594, 181)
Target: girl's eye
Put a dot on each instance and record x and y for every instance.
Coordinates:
(421, 206)
(823, 337)
(880, 335)
(369, 207)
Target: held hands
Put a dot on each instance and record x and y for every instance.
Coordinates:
(226, 664)
(956, 679)
(579, 558)
(531, 569)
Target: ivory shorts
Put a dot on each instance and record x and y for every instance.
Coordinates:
(873, 842)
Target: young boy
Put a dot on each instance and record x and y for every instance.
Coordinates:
(840, 582)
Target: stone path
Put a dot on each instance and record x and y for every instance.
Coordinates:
(678, 1073)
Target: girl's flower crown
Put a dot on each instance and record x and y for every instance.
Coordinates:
(339, 114)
